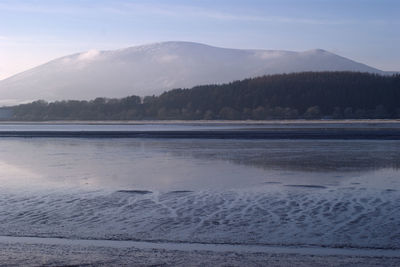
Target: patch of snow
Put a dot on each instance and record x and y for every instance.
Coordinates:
(89, 55)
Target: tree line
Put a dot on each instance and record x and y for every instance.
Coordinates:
(306, 95)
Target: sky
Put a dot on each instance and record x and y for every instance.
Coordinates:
(34, 32)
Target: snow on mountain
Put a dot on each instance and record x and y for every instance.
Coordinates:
(152, 69)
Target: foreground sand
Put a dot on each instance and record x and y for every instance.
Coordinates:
(25, 254)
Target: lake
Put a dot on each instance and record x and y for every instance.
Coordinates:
(323, 192)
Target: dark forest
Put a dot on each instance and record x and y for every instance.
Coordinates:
(307, 95)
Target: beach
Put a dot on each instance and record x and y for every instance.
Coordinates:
(199, 195)
(25, 252)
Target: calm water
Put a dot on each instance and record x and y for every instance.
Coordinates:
(157, 164)
(313, 192)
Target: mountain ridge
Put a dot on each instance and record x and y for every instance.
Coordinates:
(154, 68)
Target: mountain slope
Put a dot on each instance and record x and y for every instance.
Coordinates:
(152, 69)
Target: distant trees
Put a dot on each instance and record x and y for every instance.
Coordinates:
(308, 95)
(312, 113)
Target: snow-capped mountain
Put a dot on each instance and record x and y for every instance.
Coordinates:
(152, 69)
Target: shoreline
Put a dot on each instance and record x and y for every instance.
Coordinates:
(300, 129)
(266, 133)
(210, 122)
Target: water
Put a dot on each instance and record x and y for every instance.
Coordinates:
(277, 192)
(165, 165)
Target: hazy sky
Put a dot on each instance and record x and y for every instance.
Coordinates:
(33, 32)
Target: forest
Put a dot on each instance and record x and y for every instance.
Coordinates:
(306, 95)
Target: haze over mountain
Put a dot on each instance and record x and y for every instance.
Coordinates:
(154, 68)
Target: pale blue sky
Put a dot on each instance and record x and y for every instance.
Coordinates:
(33, 32)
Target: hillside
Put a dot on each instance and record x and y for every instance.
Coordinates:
(152, 69)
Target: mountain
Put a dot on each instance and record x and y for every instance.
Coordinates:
(152, 69)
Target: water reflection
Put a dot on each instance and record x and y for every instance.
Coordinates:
(150, 164)
(299, 155)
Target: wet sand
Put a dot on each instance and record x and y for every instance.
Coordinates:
(42, 253)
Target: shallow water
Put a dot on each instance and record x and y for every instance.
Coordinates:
(285, 192)
(185, 164)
